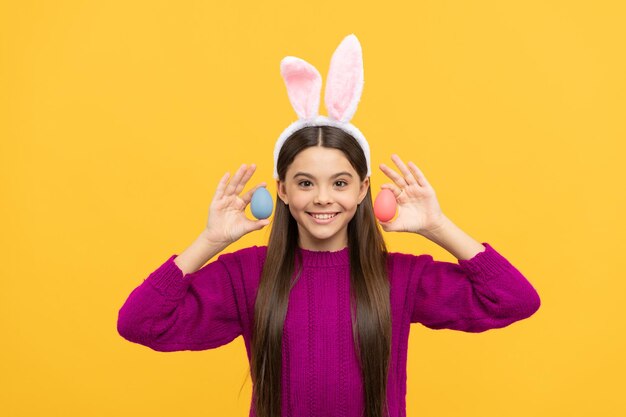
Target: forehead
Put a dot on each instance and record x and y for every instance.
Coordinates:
(320, 162)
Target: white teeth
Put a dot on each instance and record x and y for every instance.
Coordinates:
(323, 216)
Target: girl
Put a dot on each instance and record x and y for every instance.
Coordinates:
(324, 309)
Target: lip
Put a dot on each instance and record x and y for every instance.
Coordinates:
(325, 221)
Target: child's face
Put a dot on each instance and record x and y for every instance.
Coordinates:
(322, 191)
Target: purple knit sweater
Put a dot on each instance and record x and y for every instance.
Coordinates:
(321, 374)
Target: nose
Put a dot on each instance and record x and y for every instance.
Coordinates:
(322, 197)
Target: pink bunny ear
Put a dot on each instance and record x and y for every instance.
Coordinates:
(304, 84)
(344, 83)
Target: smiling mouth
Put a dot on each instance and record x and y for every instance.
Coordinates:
(323, 217)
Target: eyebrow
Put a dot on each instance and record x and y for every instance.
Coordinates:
(305, 174)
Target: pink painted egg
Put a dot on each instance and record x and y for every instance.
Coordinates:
(385, 205)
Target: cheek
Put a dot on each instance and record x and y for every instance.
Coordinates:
(299, 201)
(351, 199)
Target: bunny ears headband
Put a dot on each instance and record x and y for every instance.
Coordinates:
(344, 85)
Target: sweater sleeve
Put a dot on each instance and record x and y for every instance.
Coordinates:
(171, 312)
(478, 294)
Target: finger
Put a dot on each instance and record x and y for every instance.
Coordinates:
(410, 179)
(256, 224)
(421, 178)
(397, 178)
(221, 186)
(247, 197)
(232, 185)
(245, 179)
(387, 226)
(397, 191)
(263, 223)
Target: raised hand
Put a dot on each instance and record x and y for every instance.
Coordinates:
(227, 220)
(418, 208)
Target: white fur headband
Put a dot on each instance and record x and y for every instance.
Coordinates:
(344, 85)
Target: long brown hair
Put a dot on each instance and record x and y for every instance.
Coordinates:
(369, 285)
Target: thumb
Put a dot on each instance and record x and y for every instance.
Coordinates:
(387, 226)
(253, 225)
(262, 223)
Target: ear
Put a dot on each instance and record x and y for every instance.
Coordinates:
(344, 83)
(280, 189)
(304, 85)
(363, 190)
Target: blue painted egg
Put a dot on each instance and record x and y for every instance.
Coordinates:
(261, 203)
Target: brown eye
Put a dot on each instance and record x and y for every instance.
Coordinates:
(342, 182)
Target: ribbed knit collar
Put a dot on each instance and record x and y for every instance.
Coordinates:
(324, 258)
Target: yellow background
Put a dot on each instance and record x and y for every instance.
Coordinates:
(119, 117)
